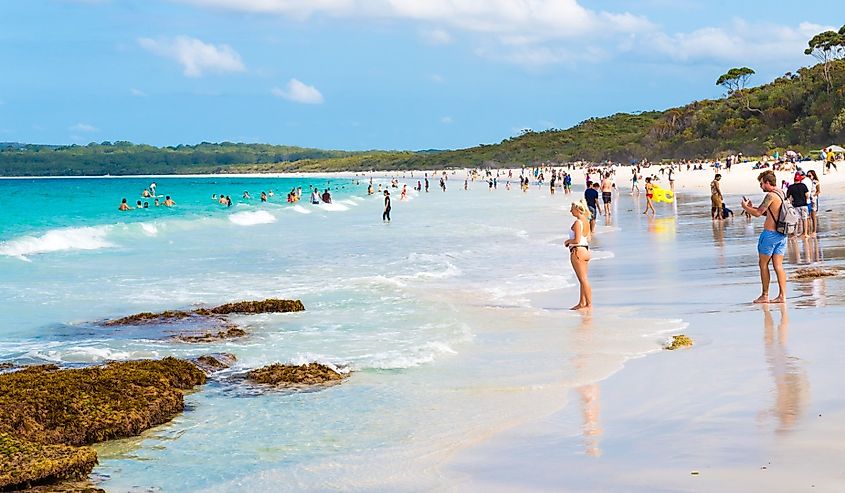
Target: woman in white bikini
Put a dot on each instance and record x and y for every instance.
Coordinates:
(579, 251)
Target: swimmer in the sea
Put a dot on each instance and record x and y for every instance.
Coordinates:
(123, 206)
(168, 202)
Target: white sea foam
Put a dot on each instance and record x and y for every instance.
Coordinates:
(601, 254)
(300, 209)
(88, 354)
(149, 229)
(333, 207)
(251, 218)
(86, 238)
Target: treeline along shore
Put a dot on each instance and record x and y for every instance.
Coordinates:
(802, 110)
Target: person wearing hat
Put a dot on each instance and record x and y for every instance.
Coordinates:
(799, 195)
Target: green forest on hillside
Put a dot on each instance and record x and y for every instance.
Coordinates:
(802, 110)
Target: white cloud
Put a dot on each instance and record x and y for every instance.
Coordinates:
(138, 93)
(299, 92)
(436, 37)
(738, 42)
(446, 120)
(195, 56)
(547, 18)
(437, 78)
(83, 127)
(545, 32)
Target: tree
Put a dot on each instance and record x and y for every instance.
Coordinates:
(827, 47)
(735, 81)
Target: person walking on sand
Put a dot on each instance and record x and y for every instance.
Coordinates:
(385, 216)
(591, 196)
(716, 198)
(799, 195)
(649, 195)
(771, 245)
(579, 252)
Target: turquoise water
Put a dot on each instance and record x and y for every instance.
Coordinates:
(451, 320)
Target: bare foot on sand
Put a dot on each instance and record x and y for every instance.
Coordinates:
(580, 307)
(779, 299)
(764, 298)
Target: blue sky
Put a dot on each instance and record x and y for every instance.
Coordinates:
(371, 74)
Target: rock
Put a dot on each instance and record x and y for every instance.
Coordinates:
(679, 341)
(24, 463)
(6, 365)
(82, 406)
(46, 411)
(813, 273)
(280, 375)
(210, 363)
(144, 318)
(271, 305)
(231, 333)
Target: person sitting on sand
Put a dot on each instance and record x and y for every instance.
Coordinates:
(168, 202)
(123, 206)
(579, 251)
(771, 245)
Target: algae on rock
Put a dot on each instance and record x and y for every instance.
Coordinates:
(678, 342)
(295, 375)
(24, 463)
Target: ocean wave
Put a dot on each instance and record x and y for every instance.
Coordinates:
(149, 229)
(300, 209)
(88, 354)
(84, 238)
(252, 218)
(333, 207)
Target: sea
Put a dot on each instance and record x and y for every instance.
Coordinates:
(452, 320)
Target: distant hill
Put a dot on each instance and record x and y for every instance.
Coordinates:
(800, 111)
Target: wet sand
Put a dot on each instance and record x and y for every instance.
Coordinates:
(755, 405)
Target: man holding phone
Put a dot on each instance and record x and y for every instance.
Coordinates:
(772, 245)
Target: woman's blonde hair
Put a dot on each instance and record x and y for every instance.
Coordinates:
(582, 206)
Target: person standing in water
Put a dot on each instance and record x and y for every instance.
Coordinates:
(606, 193)
(153, 189)
(716, 200)
(123, 206)
(579, 251)
(771, 245)
(649, 195)
(385, 216)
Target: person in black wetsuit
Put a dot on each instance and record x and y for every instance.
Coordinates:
(386, 214)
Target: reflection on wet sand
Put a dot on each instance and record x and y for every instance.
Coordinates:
(791, 384)
(590, 394)
(804, 250)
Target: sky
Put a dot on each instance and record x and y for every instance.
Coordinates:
(372, 74)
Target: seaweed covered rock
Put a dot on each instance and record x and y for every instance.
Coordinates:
(295, 375)
(678, 342)
(271, 305)
(231, 332)
(24, 463)
(813, 273)
(47, 412)
(81, 406)
(210, 363)
(151, 318)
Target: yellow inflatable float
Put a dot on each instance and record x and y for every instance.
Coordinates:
(662, 195)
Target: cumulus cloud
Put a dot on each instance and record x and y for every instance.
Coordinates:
(547, 32)
(83, 127)
(299, 92)
(195, 56)
(555, 18)
(137, 93)
(446, 120)
(738, 42)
